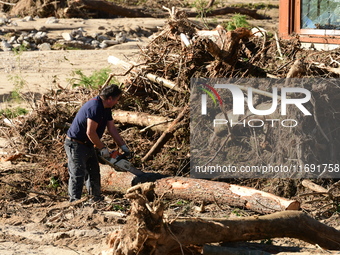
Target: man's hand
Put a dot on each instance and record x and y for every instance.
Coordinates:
(126, 150)
(104, 152)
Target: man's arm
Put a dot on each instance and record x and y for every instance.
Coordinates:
(114, 133)
(92, 134)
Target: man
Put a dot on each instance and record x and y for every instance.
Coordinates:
(84, 138)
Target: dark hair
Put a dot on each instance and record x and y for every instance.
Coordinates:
(110, 91)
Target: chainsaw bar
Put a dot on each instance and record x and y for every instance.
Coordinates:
(122, 165)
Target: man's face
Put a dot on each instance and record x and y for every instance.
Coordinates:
(113, 101)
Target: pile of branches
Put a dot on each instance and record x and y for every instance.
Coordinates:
(38, 137)
(240, 54)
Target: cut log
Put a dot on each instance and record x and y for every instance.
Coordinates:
(146, 232)
(200, 190)
(156, 123)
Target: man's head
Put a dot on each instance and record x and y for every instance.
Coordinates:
(110, 95)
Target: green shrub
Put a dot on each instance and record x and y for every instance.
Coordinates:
(13, 112)
(237, 21)
(96, 79)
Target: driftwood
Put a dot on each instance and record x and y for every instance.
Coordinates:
(146, 232)
(164, 82)
(111, 8)
(152, 77)
(199, 190)
(312, 186)
(156, 123)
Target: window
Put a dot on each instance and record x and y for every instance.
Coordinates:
(313, 21)
(320, 14)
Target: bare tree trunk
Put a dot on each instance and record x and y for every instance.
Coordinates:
(111, 8)
(200, 190)
(293, 224)
(227, 10)
(114, 9)
(156, 123)
(146, 232)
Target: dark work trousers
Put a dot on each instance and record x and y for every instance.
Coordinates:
(83, 167)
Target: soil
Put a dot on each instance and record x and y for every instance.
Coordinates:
(34, 221)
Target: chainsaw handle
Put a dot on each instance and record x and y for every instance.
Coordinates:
(125, 156)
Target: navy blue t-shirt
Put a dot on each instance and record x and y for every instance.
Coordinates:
(94, 110)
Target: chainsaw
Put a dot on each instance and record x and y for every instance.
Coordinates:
(120, 163)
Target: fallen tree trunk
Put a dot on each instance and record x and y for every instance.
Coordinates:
(156, 123)
(111, 8)
(227, 10)
(200, 190)
(146, 232)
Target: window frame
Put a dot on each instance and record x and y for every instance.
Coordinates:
(290, 25)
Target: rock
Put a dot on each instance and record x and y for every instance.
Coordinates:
(76, 33)
(101, 28)
(103, 45)
(42, 28)
(150, 27)
(44, 47)
(26, 44)
(31, 35)
(110, 33)
(6, 46)
(67, 36)
(52, 20)
(16, 46)
(39, 37)
(12, 40)
(27, 18)
(135, 28)
(102, 38)
(22, 37)
(95, 43)
(120, 37)
(3, 21)
(110, 42)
